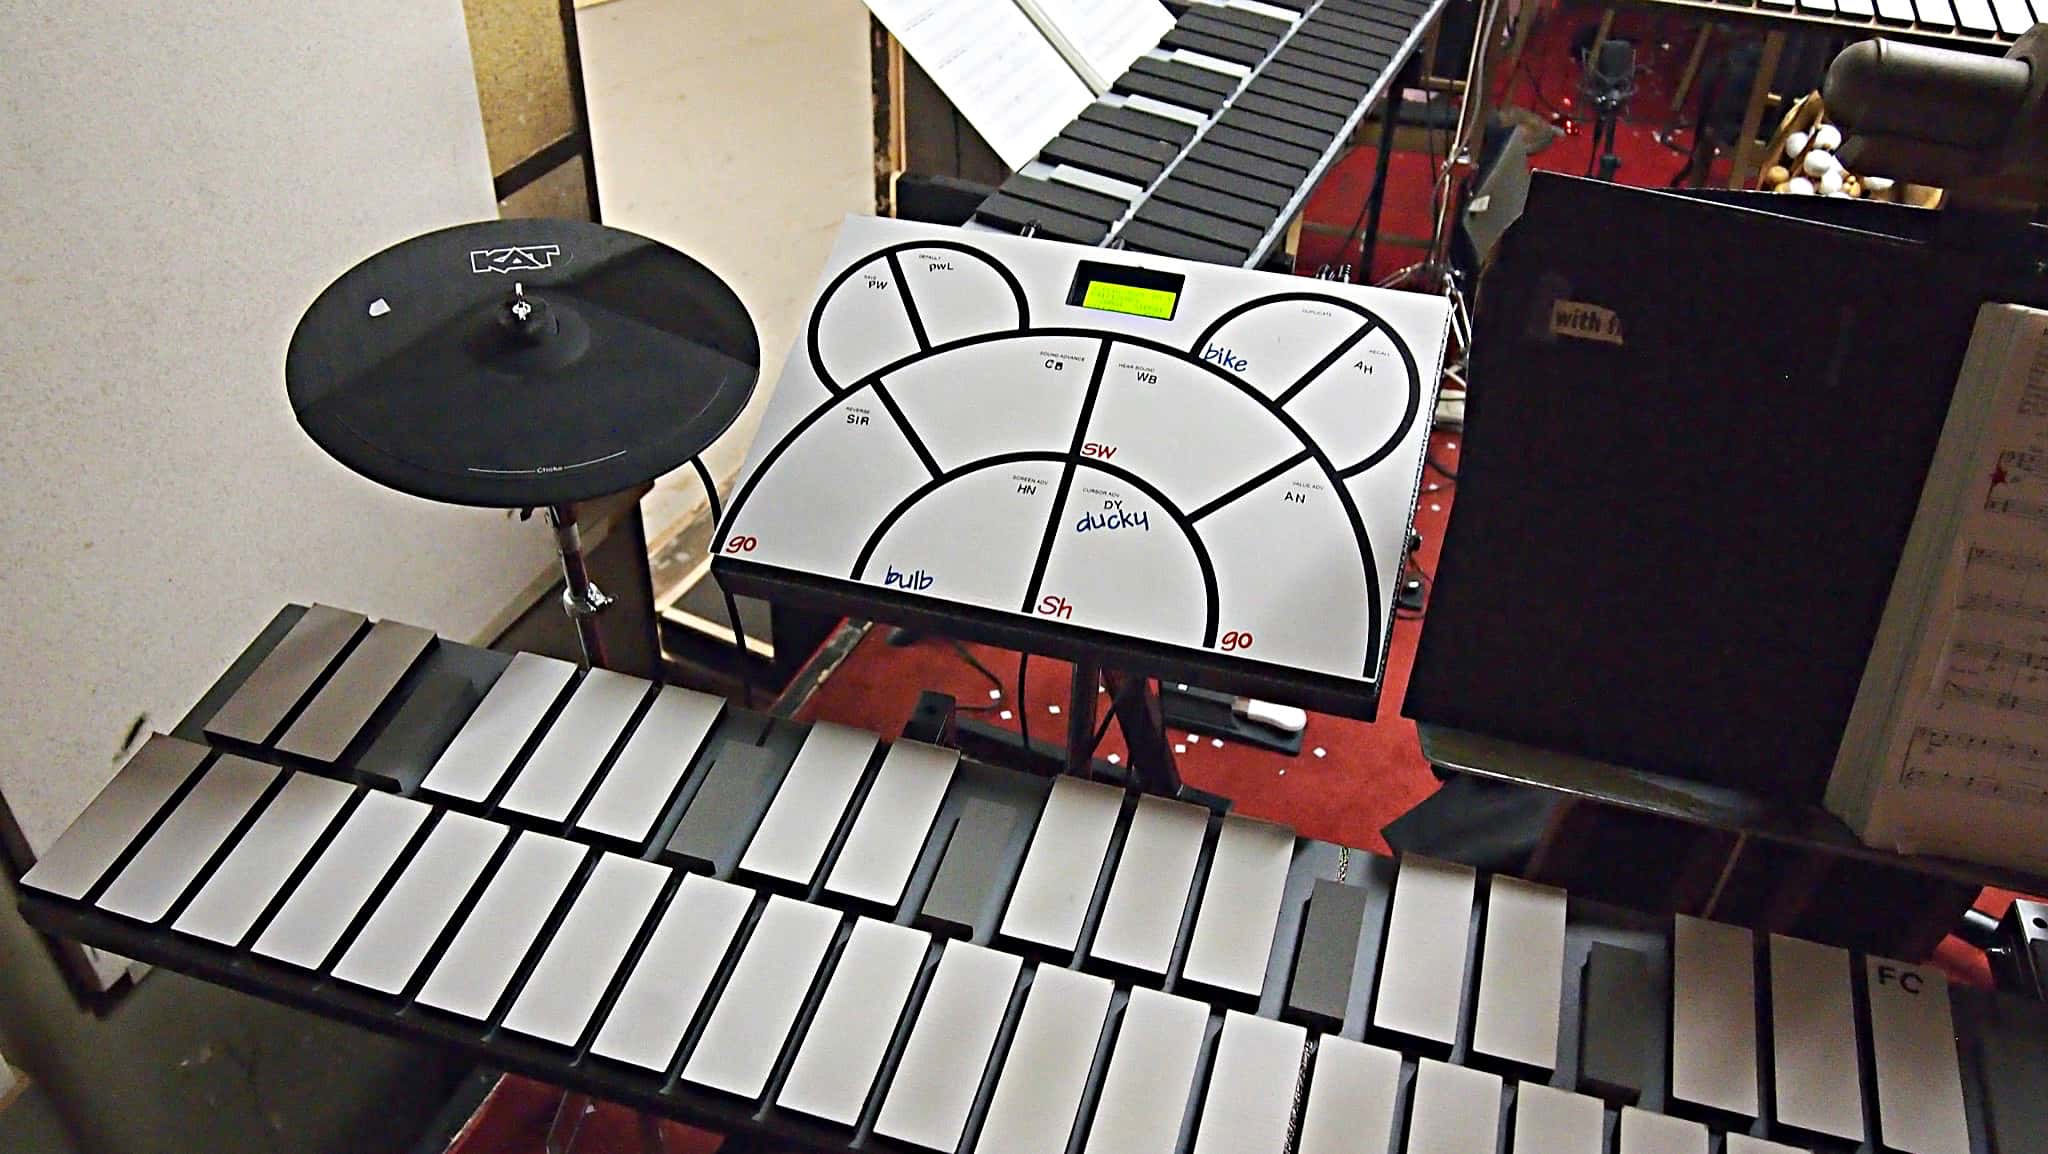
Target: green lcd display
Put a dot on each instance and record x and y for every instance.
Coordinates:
(1123, 298)
(1133, 291)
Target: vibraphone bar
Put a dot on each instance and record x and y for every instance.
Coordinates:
(801, 931)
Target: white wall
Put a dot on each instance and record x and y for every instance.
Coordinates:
(176, 183)
(739, 132)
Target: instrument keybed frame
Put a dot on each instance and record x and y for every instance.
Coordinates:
(1976, 25)
(1208, 146)
(2001, 1040)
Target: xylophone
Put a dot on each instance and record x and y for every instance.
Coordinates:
(1211, 143)
(637, 891)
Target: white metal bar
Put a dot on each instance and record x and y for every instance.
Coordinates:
(1039, 1092)
(1251, 1086)
(585, 953)
(949, 1047)
(387, 952)
(842, 1049)
(1151, 1072)
(894, 821)
(471, 976)
(1521, 973)
(227, 906)
(154, 879)
(1149, 897)
(751, 1022)
(115, 818)
(1233, 936)
(320, 909)
(792, 838)
(660, 998)
(1422, 969)
(1060, 870)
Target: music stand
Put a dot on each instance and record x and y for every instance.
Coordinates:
(1703, 672)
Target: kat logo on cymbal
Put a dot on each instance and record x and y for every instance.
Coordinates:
(517, 258)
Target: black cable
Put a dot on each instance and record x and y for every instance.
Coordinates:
(732, 608)
(1535, 86)
(1450, 475)
(1428, 583)
(1439, 185)
(985, 671)
(1101, 730)
(1351, 234)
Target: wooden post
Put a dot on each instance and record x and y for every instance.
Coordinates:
(1692, 69)
(1524, 17)
(1600, 36)
(1752, 119)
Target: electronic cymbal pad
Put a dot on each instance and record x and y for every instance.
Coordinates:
(521, 363)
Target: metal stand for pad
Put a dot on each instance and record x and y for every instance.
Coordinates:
(1138, 715)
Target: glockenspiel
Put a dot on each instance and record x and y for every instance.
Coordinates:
(638, 891)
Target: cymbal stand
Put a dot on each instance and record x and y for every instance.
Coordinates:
(1433, 272)
(582, 600)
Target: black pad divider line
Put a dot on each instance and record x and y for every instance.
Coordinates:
(383, 889)
(892, 1056)
(617, 984)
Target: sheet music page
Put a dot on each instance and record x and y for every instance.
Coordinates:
(994, 65)
(1105, 35)
(1970, 773)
